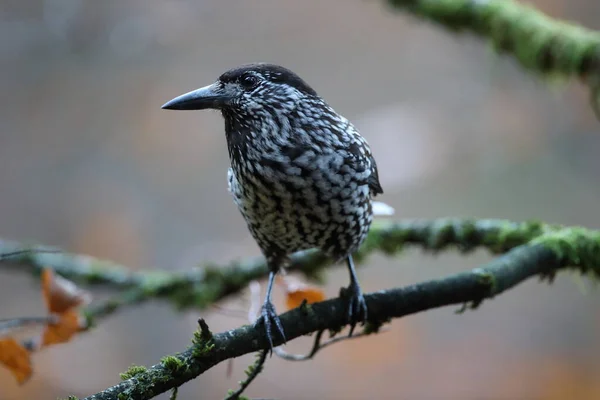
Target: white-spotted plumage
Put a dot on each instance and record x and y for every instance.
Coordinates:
(301, 174)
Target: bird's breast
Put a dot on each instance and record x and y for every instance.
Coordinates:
(301, 203)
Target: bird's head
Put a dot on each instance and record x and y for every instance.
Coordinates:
(249, 89)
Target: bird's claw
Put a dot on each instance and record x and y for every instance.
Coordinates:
(357, 306)
(268, 316)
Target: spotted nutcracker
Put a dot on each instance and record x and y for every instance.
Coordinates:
(301, 174)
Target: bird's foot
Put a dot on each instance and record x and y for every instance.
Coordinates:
(269, 317)
(357, 306)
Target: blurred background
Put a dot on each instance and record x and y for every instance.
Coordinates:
(89, 162)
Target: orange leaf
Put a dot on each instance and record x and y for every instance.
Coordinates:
(68, 325)
(297, 291)
(61, 294)
(311, 295)
(16, 358)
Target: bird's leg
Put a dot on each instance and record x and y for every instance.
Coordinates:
(268, 315)
(357, 307)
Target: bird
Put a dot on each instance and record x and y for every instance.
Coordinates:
(300, 173)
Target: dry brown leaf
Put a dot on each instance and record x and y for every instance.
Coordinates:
(16, 358)
(297, 291)
(62, 297)
(69, 324)
(61, 294)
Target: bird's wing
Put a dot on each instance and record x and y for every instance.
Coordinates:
(374, 183)
(360, 156)
(323, 143)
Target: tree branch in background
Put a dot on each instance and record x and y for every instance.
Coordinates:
(531, 249)
(203, 286)
(573, 247)
(252, 372)
(539, 43)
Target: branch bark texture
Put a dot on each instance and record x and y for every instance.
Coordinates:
(204, 285)
(528, 249)
(471, 287)
(540, 43)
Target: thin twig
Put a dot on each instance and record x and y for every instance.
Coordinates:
(202, 287)
(10, 325)
(575, 248)
(540, 43)
(498, 236)
(318, 346)
(252, 372)
(19, 253)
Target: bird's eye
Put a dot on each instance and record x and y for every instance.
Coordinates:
(248, 81)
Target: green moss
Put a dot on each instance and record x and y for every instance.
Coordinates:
(535, 228)
(154, 282)
(133, 371)
(541, 44)
(95, 275)
(200, 351)
(487, 279)
(203, 343)
(387, 237)
(99, 271)
(213, 272)
(576, 247)
(378, 238)
(164, 377)
(89, 318)
(442, 233)
(199, 295)
(172, 364)
(230, 392)
(252, 370)
(510, 236)
(467, 232)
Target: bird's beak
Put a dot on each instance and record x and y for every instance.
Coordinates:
(210, 96)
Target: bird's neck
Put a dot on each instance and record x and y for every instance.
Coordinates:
(250, 136)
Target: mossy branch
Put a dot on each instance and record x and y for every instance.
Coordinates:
(543, 258)
(528, 249)
(203, 286)
(538, 42)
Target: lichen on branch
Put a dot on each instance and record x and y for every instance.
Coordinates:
(541, 44)
(204, 285)
(526, 249)
(543, 258)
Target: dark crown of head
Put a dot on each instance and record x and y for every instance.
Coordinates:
(270, 72)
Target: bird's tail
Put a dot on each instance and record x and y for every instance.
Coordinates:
(381, 209)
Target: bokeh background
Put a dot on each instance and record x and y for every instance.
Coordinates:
(89, 162)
